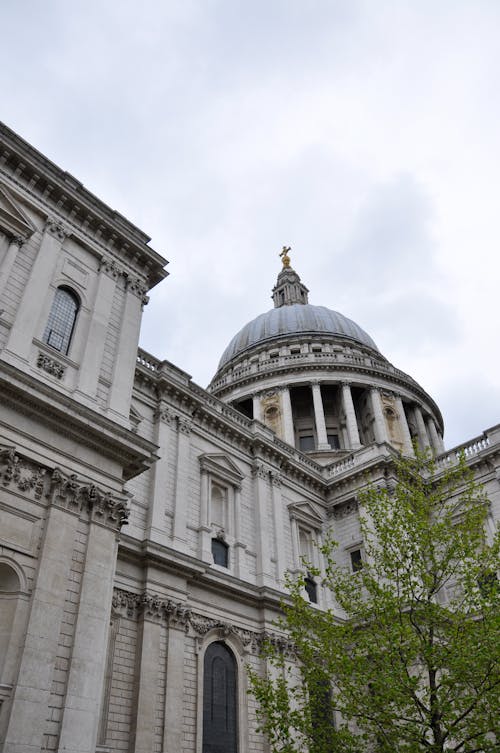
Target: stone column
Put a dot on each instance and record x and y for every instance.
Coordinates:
(288, 430)
(350, 416)
(164, 434)
(436, 440)
(31, 696)
(405, 432)
(422, 431)
(319, 417)
(28, 322)
(380, 425)
(94, 347)
(82, 705)
(8, 261)
(256, 407)
(279, 532)
(148, 642)
(173, 735)
(264, 575)
(126, 350)
(181, 500)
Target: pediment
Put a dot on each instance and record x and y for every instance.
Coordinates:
(307, 512)
(13, 221)
(222, 466)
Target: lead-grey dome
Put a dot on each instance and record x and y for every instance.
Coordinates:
(296, 319)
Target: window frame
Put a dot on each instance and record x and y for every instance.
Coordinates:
(69, 330)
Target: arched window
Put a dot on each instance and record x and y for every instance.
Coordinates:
(61, 321)
(220, 729)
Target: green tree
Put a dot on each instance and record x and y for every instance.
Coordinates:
(414, 665)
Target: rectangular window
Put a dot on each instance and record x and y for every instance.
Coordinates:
(306, 443)
(356, 560)
(333, 441)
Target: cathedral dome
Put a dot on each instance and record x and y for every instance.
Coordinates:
(294, 319)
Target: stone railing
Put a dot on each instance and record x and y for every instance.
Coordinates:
(467, 449)
(147, 360)
(335, 360)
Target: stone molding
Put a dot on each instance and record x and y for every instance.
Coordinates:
(50, 365)
(111, 268)
(60, 489)
(176, 614)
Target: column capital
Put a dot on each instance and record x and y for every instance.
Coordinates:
(17, 240)
(110, 267)
(184, 425)
(139, 288)
(56, 229)
(259, 470)
(276, 478)
(165, 414)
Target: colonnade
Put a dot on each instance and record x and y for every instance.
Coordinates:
(424, 427)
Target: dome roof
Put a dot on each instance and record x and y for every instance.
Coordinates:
(297, 319)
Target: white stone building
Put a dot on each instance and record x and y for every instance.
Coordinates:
(146, 524)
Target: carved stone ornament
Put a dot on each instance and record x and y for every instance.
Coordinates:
(61, 490)
(110, 267)
(56, 229)
(138, 288)
(260, 470)
(165, 414)
(176, 614)
(184, 425)
(275, 478)
(50, 365)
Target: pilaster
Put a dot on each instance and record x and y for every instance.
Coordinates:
(264, 575)
(279, 533)
(99, 323)
(8, 261)
(173, 736)
(148, 641)
(164, 435)
(126, 350)
(29, 313)
(181, 501)
(80, 720)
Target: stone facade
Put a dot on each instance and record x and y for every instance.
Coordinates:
(123, 483)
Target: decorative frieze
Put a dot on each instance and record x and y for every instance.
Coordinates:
(50, 365)
(61, 489)
(177, 614)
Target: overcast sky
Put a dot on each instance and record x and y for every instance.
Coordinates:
(363, 133)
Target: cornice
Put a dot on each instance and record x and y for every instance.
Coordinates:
(58, 192)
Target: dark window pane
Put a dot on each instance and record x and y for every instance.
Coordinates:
(333, 441)
(306, 443)
(311, 588)
(219, 700)
(220, 552)
(356, 560)
(61, 320)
